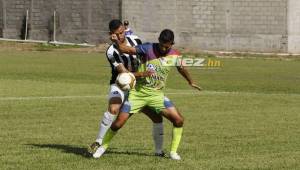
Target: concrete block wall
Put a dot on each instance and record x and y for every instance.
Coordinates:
(77, 21)
(258, 25)
(232, 25)
(13, 16)
(294, 26)
(1, 17)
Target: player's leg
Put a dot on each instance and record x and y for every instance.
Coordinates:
(108, 117)
(116, 125)
(115, 100)
(172, 114)
(157, 130)
(112, 131)
(167, 109)
(133, 105)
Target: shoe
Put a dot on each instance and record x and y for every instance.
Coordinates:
(93, 147)
(160, 154)
(99, 152)
(174, 156)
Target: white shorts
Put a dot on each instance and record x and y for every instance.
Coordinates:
(115, 91)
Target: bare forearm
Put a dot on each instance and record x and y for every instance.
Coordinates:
(143, 74)
(138, 74)
(126, 49)
(121, 68)
(122, 45)
(187, 76)
(184, 73)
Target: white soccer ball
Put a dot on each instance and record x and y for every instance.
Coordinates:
(126, 81)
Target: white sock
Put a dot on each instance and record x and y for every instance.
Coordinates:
(158, 136)
(105, 124)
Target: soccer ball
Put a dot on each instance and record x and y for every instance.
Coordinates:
(125, 81)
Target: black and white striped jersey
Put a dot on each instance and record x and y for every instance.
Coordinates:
(131, 62)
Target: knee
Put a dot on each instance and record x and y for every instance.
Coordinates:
(178, 122)
(157, 119)
(116, 126)
(114, 110)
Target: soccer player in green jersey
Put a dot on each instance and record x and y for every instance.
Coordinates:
(158, 58)
(121, 62)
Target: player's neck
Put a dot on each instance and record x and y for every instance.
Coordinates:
(157, 51)
(124, 42)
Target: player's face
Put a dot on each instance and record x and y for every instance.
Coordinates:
(120, 33)
(164, 48)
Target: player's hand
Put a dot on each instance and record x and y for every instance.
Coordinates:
(196, 86)
(148, 73)
(114, 38)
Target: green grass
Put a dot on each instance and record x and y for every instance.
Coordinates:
(50, 47)
(246, 118)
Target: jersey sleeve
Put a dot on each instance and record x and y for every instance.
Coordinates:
(142, 49)
(133, 40)
(113, 58)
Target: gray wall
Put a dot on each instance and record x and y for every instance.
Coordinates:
(77, 20)
(232, 25)
(1, 17)
(294, 26)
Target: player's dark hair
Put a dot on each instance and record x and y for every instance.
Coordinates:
(114, 24)
(166, 36)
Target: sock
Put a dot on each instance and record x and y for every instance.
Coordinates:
(105, 124)
(176, 137)
(108, 137)
(158, 136)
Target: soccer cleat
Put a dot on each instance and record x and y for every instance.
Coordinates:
(174, 156)
(161, 154)
(99, 152)
(93, 147)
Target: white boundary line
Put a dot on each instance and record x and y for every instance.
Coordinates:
(179, 92)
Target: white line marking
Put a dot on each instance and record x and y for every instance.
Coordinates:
(176, 92)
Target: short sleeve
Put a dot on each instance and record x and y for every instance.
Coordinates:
(143, 49)
(113, 57)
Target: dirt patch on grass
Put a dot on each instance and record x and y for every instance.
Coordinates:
(26, 46)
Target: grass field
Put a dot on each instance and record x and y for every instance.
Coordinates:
(248, 116)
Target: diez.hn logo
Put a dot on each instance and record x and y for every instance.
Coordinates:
(189, 61)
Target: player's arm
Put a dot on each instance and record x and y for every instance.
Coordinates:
(117, 65)
(122, 46)
(121, 69)
(126, 49)
(184, 73)
(147, 73)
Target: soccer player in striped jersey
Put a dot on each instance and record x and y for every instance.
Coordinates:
(149, 90)
(119, 63)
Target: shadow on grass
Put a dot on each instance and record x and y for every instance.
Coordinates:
(82, 151)
(114, 152)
